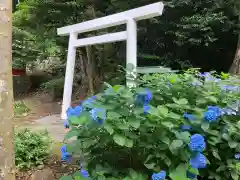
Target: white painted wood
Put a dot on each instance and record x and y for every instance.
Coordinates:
(154, 69)
(68, 83)
(131, 50)
(129, 17)
(137, 14)
(106, 38)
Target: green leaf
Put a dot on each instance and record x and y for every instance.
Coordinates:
(212, 99)
(122, 126)
(78, 120)
(205, 126)
(119, 139)
(113, 115)
(215, 154)
(182, 101)
(133, 174)
(176, 144)
(174, 116)
(184, 136)
(234, 175)
(128, 143)
(225, 136)
(108, 128)
(134, 123)
(150, 166)
(232, 144)
(163, 110)
(66, 178)
(116, 88)
(179, 173)
(71, 133)
(167, 161)
(165, 139)
(167, 124)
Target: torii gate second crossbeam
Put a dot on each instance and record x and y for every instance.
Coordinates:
(130, 35)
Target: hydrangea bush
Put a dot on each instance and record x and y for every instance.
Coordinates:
(172, 126)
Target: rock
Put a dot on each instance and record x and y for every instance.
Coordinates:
(45, 174)
(40, 167)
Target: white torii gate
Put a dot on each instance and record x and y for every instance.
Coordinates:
(130, 35)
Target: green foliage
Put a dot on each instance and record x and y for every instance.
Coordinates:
(20, 108)
(151, 142)
(31, 148)
(196, 30)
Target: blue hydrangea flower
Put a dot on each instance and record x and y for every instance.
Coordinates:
(205, 74)
(70, 112)
(148, 96)
(84, 173)
(211, 116)
(64, 148)
(159, 176)
(144, 98)
(189, 116)
(98, 115)
(66, 124)
(65, 156)
(197, 143)
(89, 101)
(237, 156)
(186, 127)
(228, 111)
(230, 88)
(199, 161)
(146, 108)
(191, 175)
(76, 111)
(217, 110)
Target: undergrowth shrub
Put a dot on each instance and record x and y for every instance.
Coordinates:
(20, 108)
(31, 148)
(174, 126)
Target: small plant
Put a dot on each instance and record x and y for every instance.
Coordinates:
(20, 108)
(31, 149)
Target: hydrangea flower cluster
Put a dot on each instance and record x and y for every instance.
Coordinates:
(237, 156)
(65, 156)
(159, 176)
(197, 145)
(76, 111)
(84, 173)
(212, 114)
(143, 99)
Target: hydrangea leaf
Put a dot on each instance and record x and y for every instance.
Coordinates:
(119, 139)
(108, 128)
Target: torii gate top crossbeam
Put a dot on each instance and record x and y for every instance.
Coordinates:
(137, 14)
(129, 18)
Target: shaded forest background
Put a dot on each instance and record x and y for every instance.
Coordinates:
(191, 33)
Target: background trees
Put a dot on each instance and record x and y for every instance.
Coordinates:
(189, 34)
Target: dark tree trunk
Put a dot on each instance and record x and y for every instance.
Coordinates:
(235, 67)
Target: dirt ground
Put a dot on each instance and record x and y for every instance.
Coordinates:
(52, 170)
(40, 105)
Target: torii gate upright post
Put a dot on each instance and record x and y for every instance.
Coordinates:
(130, 35)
